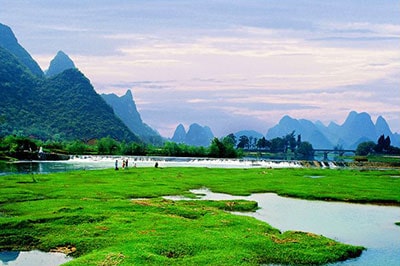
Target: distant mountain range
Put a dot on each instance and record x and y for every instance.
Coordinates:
(196, 135)
(357, 128)
(62, 104)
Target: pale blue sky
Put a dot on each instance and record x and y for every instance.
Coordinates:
(230, 65)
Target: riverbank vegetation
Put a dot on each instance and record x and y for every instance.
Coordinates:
(18, 147)
(113, 217)
(27, 148)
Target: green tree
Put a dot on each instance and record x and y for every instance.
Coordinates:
(277, 145)
(243, 142)
(232, 139)
(365, 148)
(386, 143)
(222, 148)
(107, 145)
(305, 150)
(76, 147)
(229, 145)
(290, 141)
(13, 143)
(263, 143)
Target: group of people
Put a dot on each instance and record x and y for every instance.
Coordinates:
(124, 164)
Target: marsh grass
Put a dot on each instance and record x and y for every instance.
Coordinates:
(112, 217)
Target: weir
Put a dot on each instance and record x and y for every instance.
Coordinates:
(340, 152)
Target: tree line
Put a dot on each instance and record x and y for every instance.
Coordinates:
(12, 145)
(225, 147)
(382, 146)
(290, 143)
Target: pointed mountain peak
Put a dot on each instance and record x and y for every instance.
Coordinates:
(286, 118)
(9, 42)
(382, 126)
(179, 134)
(128, 95)
(59, 63)
(380, 120)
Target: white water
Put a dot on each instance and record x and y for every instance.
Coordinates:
(147, 161)
(365, 225)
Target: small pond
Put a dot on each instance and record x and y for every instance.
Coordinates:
(365, 225)
(32, 258)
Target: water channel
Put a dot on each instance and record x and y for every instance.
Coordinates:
(364, 225)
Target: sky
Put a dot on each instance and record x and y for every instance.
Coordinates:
(227, 64)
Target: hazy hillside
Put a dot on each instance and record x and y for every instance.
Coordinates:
(308, 131)
(179, 134)
(196, 135)
(357, 128)
(59, 63)
(125, 108)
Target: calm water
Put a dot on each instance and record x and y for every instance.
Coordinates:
(32, 258)
(357, 224)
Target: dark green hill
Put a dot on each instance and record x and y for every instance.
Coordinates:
(65, 106)
(17, 93)
(69, 103)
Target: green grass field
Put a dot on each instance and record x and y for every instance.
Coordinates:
(112, 217)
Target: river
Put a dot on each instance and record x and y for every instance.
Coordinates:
(86, 162)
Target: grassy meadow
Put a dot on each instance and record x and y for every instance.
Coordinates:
(110, 217)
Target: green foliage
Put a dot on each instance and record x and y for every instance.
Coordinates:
(113, 223)
(107, 146)
(277, 145)
(222, 148)
(305, 150)
(133, 148)
(76, 147)
(64, 107)
(263, 143)
(365, 148)
(382, 147)
(244, 142)
(14, 144)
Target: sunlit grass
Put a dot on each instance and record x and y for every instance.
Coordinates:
(112, 217)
